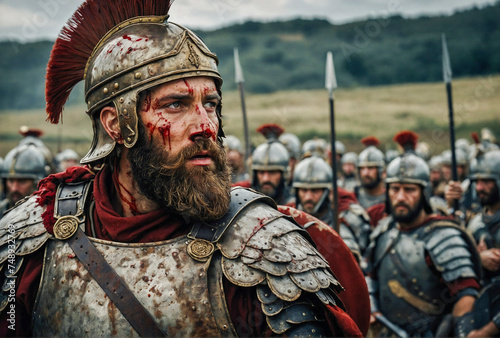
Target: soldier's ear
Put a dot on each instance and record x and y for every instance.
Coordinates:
(109, 120)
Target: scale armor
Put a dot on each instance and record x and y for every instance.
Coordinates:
(413, 297)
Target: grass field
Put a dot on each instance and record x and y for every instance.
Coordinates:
(380, 111)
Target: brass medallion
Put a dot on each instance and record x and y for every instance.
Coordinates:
(65, 227)
(200, 249)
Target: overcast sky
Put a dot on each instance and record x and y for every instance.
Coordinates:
(28, 20)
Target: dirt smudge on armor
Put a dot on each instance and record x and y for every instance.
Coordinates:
(155, 290)
(178, 263)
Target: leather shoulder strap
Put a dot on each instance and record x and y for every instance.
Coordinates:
(70, 204)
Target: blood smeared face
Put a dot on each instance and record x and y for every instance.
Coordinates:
(177, 161)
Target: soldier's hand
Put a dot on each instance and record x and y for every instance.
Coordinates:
(453, 191)
(490, 259)
(373, 320)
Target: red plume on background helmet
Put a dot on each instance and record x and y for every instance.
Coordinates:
(370, 141)
(76, 42)
(406, 139)
(26, 131)
(270, 130)
(475, 137)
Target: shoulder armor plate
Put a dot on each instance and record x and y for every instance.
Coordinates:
(452, 251)
(265, 248)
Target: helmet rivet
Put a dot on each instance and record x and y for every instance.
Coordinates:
(105, 90)
(137, 75)
(117, 85)
(129, 139)
(121, 100)
(125, 111)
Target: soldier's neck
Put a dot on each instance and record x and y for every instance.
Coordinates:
(416, 222)
(128, 200)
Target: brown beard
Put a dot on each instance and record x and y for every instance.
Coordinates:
(201, 193)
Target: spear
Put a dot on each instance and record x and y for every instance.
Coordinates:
(239, 81)
(331, 84)
(447, 80)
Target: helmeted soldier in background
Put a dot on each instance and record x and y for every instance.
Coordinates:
(24, 166)
(270, 166)
(348, 164)
(235, 158)
(436, 176)
(152, 240)
(485, 228)
(488, 140)
(391, 154)
(32, 136)
(293, 145)
(371, 174)
(421, 266)
(315, 146)
(462, 164)
(313, 184)
(66, 159)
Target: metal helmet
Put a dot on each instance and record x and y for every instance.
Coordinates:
(435, 162)
(313, 173)
(140, 52)
(292, 144)
(391, 154)
(461, 156)
(423, 150)
(371, 156)
(231, 142)
(486, 167)
(25, 161)
(313, 147)
(350, 157)
(410, 168)
(67, 154)
(339, 147)
(271, 155)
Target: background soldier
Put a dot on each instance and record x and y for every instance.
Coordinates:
(293, 145)
(270, 166)
(23, 167)
(169, 238)
(485, 227)
(312, 182)
(371, 172)
(348, 164)
(421, 266)
(66, 159)
(235, 158)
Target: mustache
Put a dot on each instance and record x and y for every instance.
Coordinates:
(269, 183)
(402, 205)
(199, 145)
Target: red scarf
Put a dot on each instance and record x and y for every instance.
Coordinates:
(151, 227)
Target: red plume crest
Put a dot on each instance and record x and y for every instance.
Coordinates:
(25, 131)
(406, 139)
(76, 41)
(370, 141)
(270, 130)
(475, 137)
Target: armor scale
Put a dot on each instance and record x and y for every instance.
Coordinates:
(410, 294)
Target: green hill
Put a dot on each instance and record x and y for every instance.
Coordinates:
(290, 55)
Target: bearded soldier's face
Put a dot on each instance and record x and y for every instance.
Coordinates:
(177, 161)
